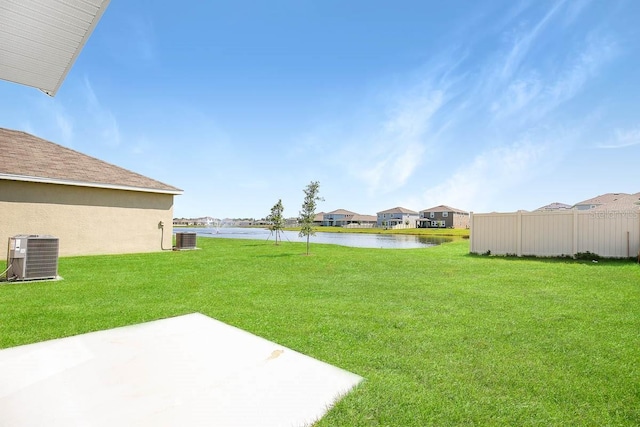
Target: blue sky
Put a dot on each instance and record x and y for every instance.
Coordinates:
(484, 106)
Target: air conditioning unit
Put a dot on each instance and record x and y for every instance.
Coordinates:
(32, 257)
(185, 240)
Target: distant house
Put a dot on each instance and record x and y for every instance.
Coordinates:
(555, 206)
(317, 220)
(443, 217)
(603, 199)
(629, 204)
(363, 221)
(93, 207)
(292, 222)
(397, 217)
(182, 222)
(338, 218)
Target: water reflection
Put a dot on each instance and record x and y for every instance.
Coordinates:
(357, 240)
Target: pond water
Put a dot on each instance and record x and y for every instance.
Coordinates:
(356, 240)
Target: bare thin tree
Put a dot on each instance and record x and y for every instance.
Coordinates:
(308, 212)
(277, 220)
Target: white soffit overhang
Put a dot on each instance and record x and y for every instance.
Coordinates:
(41, 39)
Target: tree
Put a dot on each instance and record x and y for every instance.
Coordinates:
(308, 212)
(276, 219)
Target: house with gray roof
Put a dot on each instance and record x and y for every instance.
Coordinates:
(443, 216)
(317, 220)
(92, 206)
(337, 218)
(397, 217)
(363, 221)
(345, 218)
(555, 206)
(603, 199)
(629, 204)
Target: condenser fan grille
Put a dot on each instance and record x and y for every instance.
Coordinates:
(185, 240)
(42, 258)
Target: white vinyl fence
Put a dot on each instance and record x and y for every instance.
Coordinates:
(610, 234)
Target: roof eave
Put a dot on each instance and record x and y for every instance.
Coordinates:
(38, 64)
(42, 180)
(72, 61)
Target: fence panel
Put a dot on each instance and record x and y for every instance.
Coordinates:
(499, 243)
(547, 234)
(607, 234)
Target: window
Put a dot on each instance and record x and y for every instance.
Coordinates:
(445, 214)
(442, 224)
(432, 214)
(434, 223)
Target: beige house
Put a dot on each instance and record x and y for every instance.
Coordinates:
(363, 221)
(93, 207)
(443, 216)
(397, 217)
(338, 218)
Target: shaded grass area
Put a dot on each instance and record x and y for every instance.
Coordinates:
(442, 337)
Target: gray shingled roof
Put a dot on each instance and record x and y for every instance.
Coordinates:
(399, 210)
(341, 212)
(25, 157)
(628, 203)
(444, 208)
(555, 206)
(319, 217)
(364, 218)
(603, 199)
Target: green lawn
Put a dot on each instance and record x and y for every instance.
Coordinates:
(442, 337)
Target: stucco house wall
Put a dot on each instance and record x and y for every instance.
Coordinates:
(92, 206)
(86, 220)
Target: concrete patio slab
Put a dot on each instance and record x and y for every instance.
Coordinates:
(189, 370)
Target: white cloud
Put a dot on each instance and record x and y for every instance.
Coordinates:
(534, 96)
(389, 157)
(518, 95)
(471, 106)
(575, 9)
(623, 138)
(489, 175)
(101, 118)
(522, 44)
(143, 38)
(65, 126)
(598, 52)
